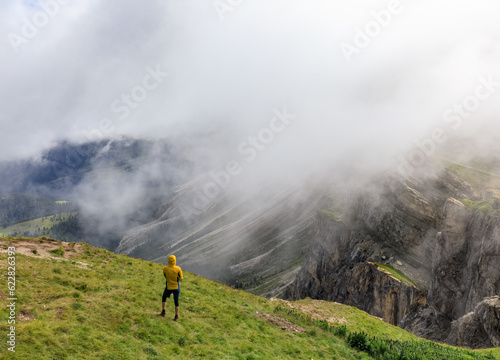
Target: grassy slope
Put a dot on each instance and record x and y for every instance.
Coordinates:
(352, 318)
(488, 207)
(33, 225)
(333, 214)
(479, 179)
(396, 273)
(108, 311)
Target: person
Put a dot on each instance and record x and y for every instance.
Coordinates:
(173, 274)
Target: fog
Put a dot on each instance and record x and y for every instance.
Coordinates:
(271, 91)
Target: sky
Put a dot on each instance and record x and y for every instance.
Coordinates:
(359, 81)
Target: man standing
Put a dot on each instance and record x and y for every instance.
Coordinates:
(173, 274)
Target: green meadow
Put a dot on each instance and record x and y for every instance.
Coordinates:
(75, 301)
(42, 226)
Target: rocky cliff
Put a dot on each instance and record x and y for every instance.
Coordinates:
(438, 255)
(479, 328)
(420, 252)
(466, 263)
(336, 269)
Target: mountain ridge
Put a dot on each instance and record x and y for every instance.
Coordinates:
(417, 227)
(326, 239)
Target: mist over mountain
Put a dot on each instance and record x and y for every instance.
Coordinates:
(416, 67)
(363, 242)
(112, 184)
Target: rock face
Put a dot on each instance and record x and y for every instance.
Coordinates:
(381, 294)
(480, 328)
(340, 273)
(466, 265)
(419, 227)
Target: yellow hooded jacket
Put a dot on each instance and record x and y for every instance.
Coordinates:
(172, 273)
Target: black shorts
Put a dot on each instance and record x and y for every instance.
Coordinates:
(166, 294)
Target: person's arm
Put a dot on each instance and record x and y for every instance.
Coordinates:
(179, 276)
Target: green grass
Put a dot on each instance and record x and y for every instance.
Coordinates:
(352, 318)
(479, 179)
(397, 274)
(380, 340)
(32, 226)
(331, 214)
(107, 310)
(58, 252)
(493, 352)
(488, 207)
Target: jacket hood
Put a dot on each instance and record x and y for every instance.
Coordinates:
(171, 260)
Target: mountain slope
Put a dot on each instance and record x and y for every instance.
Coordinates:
(43, 226)
(255, 242)
(113, 184)
(99, 305)
(75, 301)
(17, 207)
(434, 228)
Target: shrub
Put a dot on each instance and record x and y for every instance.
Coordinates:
(358, 341)
(181, 341)
(58, 252)
(340, 331)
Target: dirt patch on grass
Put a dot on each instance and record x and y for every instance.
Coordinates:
(47, 248)
(315, 310)
(52, 298)
(59, 312)
(284, 324)
(25, 315)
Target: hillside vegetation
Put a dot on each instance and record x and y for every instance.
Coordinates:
(43, 226)
(75, 301)
(16, 208)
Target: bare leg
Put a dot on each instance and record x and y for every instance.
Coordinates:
(164, 305)
(176, 311)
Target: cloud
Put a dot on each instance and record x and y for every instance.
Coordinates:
(227, 73)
